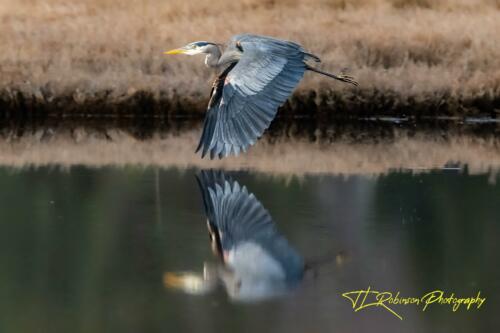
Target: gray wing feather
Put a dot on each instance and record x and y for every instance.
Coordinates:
(239, 217)
(262, 80)
(231, 210)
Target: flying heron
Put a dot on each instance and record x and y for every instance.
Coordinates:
(257, 75)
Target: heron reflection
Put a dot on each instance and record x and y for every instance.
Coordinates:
(256, 261)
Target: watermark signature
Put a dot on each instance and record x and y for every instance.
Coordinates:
(362, 299)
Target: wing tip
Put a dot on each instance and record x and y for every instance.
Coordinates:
(231, 150)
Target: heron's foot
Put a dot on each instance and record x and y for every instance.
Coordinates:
(344, 77)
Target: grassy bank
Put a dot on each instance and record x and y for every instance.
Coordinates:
(410, 56)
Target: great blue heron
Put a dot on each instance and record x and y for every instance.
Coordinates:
(258, 73)
(257, 262)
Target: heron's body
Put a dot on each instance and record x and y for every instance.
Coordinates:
(256, 273)
(259, 262)
(258, 74)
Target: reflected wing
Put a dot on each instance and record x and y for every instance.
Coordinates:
(236, 214)
(261, 81)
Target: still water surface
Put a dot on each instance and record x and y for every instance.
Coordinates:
(87, 250)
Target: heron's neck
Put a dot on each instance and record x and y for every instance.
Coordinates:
(213, 56)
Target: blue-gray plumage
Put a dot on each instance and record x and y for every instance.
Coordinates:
(261, 260)
(260, 74)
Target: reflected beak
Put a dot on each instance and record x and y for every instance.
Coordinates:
(190, 283)
(175, 51)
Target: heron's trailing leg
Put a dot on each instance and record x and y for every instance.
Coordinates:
(341, 77)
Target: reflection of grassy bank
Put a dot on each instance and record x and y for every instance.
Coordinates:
(295, 149)
(434, 57)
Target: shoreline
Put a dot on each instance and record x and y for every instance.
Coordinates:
(298, 148)
(326, 104)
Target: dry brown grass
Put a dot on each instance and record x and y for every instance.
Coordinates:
(412, 49)
(284, 156)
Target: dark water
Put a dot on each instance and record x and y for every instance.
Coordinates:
(85, 250)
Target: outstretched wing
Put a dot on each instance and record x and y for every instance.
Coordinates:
(239, 218)
(232, 212)
(266, 74)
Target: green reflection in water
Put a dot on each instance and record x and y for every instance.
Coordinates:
(84, 250)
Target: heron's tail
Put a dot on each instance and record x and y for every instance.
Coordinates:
(341, 77)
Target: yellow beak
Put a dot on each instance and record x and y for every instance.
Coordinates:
(175, 51)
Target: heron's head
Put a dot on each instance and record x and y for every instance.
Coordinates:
(193, 48)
